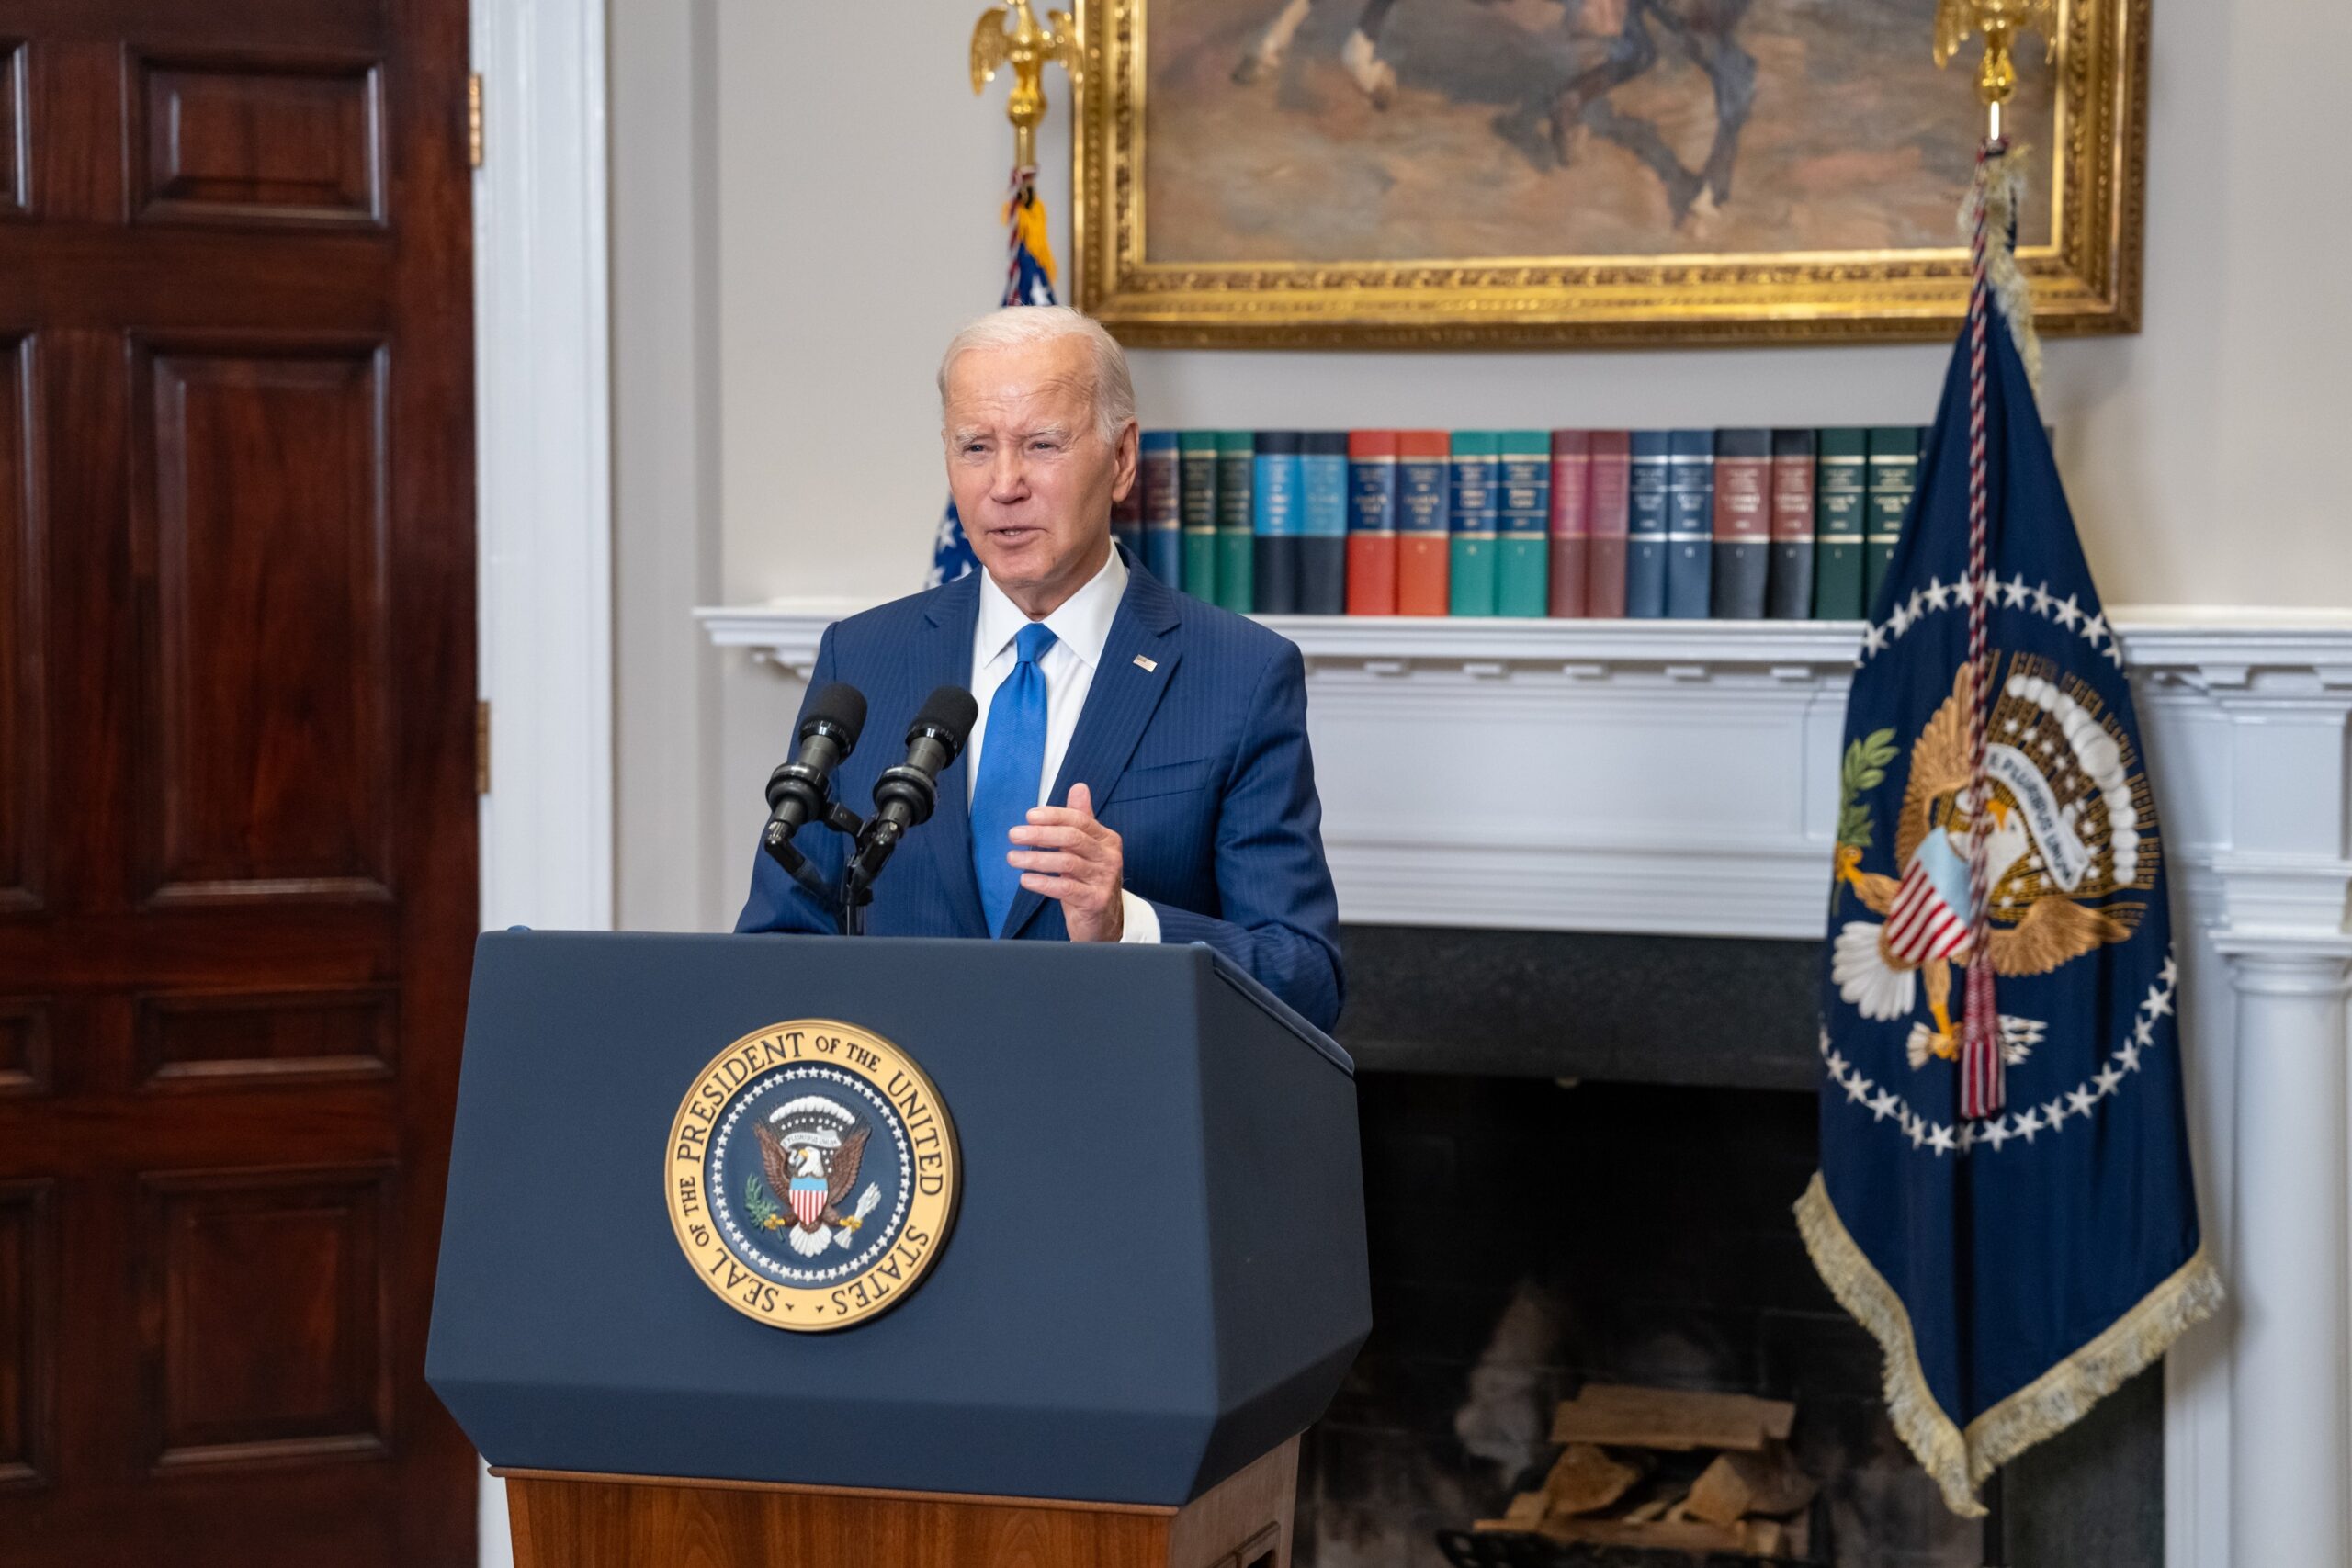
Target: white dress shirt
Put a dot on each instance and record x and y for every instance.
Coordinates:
(1080, 627)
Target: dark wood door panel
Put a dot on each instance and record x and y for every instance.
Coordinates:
(28, 1331)
(253, 137)
(23, 725)
(260, 540)
(237, 859)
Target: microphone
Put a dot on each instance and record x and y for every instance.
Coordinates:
(905, 795)
(797, 791)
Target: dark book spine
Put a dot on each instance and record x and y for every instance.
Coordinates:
(1163, 508)
(1472, 566)
(1372, 522)
(1690, 524)
(1743, 524)
(1609, 484)
(1196, 464)
(1841, 496)
(1790, 595)
(1522, 522)
(1645, 543)
(1236, 479)
(1895, 475)
(1275, 516)
(1323, 524)
(1571, 522)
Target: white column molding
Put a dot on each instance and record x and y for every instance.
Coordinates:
(544, 423)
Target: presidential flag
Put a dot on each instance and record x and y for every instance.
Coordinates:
(2005, 1197)
(1028, 280)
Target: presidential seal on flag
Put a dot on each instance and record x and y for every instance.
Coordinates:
(2005, 1197)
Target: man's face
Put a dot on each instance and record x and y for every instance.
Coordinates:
(1032, 479)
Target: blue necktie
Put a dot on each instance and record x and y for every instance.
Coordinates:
(1012, 759)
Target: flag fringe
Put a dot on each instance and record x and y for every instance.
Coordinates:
(1959, 1462)
(1999, 189)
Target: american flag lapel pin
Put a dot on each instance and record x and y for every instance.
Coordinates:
(1146, 665)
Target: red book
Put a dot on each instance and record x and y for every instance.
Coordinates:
(1372, 522)
(1610, 469)
(1571, 519)
(1424, 549)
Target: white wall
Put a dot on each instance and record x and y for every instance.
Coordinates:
(852, 225)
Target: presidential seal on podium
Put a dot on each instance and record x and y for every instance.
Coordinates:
(812, 1175)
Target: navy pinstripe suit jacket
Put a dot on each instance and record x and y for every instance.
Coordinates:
(1200, 763)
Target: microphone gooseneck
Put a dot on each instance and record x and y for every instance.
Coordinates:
(905, 795)
(797, 791)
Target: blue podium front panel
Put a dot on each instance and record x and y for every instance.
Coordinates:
(1157, 1270)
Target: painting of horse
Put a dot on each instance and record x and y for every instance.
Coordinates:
(1406, 130)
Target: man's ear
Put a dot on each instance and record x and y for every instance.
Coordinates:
(1123, 479)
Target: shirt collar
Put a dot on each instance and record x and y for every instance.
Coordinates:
(1082, 623)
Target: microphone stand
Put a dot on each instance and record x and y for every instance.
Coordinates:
(849, 919)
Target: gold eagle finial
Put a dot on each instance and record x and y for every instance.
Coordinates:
(1999, 22)
(1028, 49)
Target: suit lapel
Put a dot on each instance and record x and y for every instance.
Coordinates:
(945, 660)
(1118, 705)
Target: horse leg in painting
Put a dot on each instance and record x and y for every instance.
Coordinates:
(1707, 30)
(1585, 102)
(1360, 55)
(1265, 56)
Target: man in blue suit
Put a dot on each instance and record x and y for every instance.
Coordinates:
(1139, 771)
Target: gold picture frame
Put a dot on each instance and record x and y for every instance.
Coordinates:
(2086, 277)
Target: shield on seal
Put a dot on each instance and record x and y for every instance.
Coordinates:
(807, 1199)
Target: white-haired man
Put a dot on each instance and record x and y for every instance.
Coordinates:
(1140, 770)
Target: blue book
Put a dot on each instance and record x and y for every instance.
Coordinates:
(1323, 524)
(1689, 522)
(1646, 526)
(1275, 519)
(1163, 508)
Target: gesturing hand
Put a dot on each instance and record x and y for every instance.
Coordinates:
(1065, 854)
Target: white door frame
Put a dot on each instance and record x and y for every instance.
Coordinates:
(543, 503)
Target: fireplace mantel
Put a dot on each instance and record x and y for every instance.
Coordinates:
(1680, 778)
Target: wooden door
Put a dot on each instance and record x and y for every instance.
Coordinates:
(237, 843)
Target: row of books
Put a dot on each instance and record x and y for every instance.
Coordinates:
(1733, 523)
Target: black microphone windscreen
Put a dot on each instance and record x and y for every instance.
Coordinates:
(949, 710)
(842, 706)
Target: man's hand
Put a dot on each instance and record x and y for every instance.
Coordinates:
(1065, 854)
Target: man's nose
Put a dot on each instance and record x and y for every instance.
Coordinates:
(1008, 477)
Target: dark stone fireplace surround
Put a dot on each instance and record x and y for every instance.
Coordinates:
(1579, 1152)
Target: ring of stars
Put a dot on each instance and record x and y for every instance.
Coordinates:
(715, 1176)
(2014, 594)
(2051, 1117)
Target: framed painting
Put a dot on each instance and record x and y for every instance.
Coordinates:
(1510, 173)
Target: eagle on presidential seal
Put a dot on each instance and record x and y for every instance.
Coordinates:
(809, 1152)
(2072, 825)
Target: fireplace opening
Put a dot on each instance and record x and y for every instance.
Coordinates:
(1541, 1219)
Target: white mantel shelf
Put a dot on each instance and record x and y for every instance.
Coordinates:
(1680, 778)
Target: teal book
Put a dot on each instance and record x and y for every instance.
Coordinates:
(1323, 524)
(1470, 570)
(1236, 464)
(1196, 464)
(1840, 495)
(1524, 523)
(1895, 475)
(1277, 515)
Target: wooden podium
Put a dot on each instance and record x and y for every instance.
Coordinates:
(1154, 1282)
(618, 1521)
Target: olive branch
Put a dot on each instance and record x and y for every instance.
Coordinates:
(758, 1203)
(1864, 769)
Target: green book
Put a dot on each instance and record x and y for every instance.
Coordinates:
(1895, 474)
(1236, 575)
(1840, 490)
(1471, 570)
(1524, 523)
(1197, 459)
